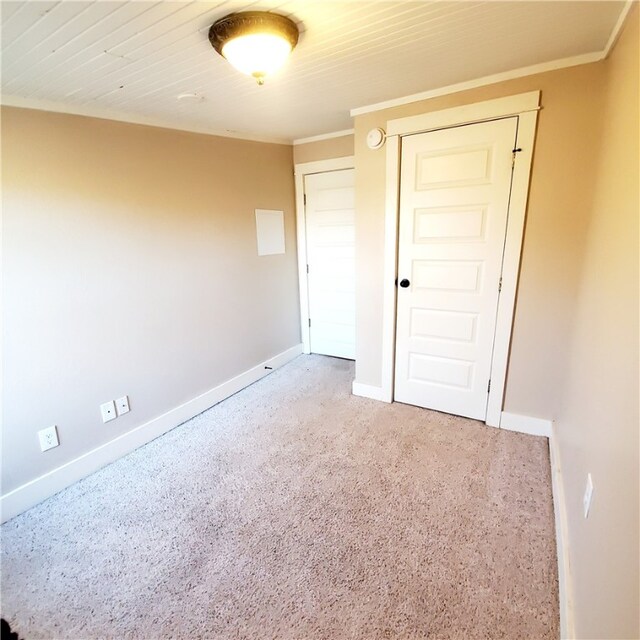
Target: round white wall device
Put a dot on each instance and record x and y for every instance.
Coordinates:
(376, 138)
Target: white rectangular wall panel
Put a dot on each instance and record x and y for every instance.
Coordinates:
(270, 232)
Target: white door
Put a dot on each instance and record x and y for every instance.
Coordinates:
(454, 200)
(330, 220)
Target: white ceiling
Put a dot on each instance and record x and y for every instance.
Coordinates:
(130, 60)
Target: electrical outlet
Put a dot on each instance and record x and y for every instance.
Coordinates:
(588, 494)
(122, 405)
(48, 438)
(108, 411)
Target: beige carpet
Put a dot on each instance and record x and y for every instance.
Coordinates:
(294, 510)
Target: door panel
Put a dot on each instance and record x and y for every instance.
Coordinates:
(454, 199)
(330, 232)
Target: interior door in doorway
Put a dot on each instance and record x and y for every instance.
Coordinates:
(454, 200)
(330, 235)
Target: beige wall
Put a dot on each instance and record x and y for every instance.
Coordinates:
(130, 267)
(574, 355)
(561, 190)
(323, 149)
(597, 421)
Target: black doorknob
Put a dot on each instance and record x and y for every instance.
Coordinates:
(404, 283)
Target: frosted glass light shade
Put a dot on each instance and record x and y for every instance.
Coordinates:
(257, 54)
(254, 42)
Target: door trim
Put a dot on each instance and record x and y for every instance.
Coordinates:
(525, 106)
(300, 171)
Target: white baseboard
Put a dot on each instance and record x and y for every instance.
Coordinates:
(369, 391)
(567, 628)
(525, 424)
(35, 491)
(540, 427)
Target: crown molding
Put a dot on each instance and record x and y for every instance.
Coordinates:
(543, 67)
(325, 136)
(573, 61)
(617, 29)
(103, 114)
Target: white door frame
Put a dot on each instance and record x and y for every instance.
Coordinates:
(300, 171)
(526, 107)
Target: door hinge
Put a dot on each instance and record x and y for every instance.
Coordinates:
(304, 198)
(309, 322)
(489, 387)
(307, 268)
(500, 285)
(513, 156)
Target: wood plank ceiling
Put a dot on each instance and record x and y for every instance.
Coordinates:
(130, 60)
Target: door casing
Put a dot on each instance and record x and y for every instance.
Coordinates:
(525, 106)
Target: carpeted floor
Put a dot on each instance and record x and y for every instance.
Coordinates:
(294, 510)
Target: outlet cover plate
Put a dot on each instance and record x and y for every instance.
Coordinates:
(122, 405)
(48, 438)
(108, 411)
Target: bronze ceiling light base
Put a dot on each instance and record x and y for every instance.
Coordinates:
(255, 42)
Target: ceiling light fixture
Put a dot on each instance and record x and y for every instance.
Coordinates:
(254, 42)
